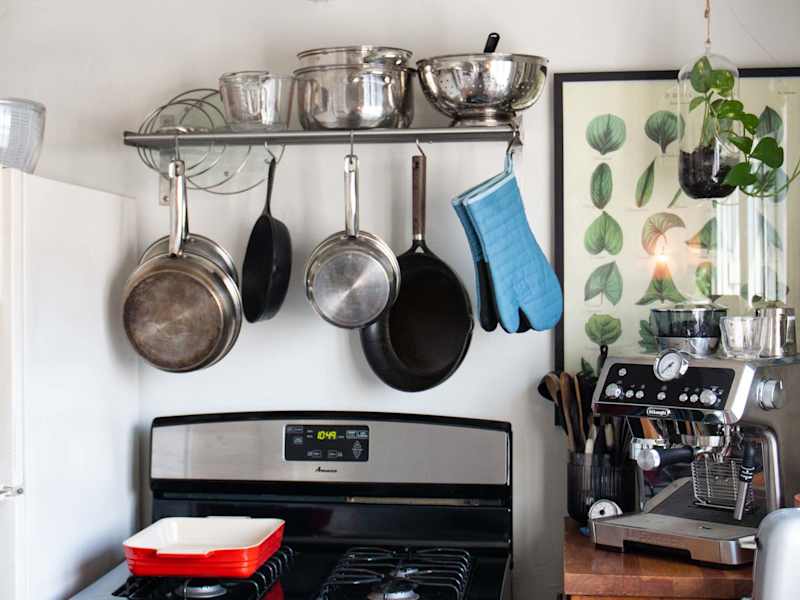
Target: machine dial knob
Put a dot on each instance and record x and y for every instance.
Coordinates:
(771, 394)
(613, 390)
(708, 398)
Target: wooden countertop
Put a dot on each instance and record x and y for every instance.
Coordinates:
(595, 572)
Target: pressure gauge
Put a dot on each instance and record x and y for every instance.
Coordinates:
(604, 508)
(670, 365)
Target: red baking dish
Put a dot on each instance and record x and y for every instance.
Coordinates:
(203, 547)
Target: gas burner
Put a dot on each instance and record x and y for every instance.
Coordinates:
(194, 591)
(395, 589)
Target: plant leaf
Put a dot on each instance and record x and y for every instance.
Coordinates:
(646, 338)
(605, 279)
(740, 175)
(603, 329)
(664, 127)
(656, 227)
(770, 124)
(706, 238)
(586, 368)
(696, 101)
(603, 234)
(750, 123)
(770, 183)
(723, 81)
(675, 198)
(742, 142)
(768, 152)
(606, 133)
(730, 109)
(704, 279)
(602, 185)
(662, 287)
(644, 185)
(700, 77)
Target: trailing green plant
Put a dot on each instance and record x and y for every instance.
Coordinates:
(756, 138)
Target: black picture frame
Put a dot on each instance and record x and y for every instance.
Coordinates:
(559, 79)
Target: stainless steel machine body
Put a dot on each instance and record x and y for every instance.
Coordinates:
(738, 419)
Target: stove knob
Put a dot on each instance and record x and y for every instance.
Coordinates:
(613, 390)
(771, 394)
(708, 398)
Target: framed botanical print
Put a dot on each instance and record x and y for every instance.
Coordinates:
(629, 239)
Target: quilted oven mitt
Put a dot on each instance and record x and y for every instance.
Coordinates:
(524, 283)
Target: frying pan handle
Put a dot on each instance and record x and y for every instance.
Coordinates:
(418, 191)
(351, 195)
(178, 218)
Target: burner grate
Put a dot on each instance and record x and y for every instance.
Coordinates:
(255, 587)
(408, 574)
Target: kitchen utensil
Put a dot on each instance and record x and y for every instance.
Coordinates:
(267, 262)
(354, 97)
(690, 328)
(354, 55)
(742, 337)
(423, 338)
(182, 310)
(570, 406)
(524, 284)
(21, 133)
(352, 276)
(256, 100)
(779, 331)
(648, 429)
(550, 388)
(491, 43)
(582, 419)
(482, 89)
(203, 547)
(594, 477)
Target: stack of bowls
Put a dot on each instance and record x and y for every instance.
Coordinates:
(354, 87)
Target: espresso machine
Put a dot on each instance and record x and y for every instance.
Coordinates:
(733, 421)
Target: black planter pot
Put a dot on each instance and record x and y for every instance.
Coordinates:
(700, 174)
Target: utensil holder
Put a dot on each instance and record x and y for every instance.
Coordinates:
(592, 477)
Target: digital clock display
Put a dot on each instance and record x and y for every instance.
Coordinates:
(326, 442)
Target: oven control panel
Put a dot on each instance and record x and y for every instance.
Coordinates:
(336, 443)
(632, 386)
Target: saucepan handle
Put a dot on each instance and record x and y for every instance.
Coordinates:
(748, 543)
(351, 195)
(178, 218)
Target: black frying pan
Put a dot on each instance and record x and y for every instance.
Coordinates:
(423, 338)
(267, 262)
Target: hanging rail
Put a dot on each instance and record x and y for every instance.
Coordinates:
(360, 136)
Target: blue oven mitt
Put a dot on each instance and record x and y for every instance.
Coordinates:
(524, 284)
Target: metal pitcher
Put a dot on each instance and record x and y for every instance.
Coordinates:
(779, 331)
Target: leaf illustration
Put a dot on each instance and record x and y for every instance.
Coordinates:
(706, 238)
(675, 198)
(603, 234)
(704, 279)
(606, 133)
(605, 279)
(661, 287)
(656, 227)
(771, 234)
(586, 368)
(770, 124)
(602, 185)
(646, 338)
(603, 329)
(644, 186)
(664, 127)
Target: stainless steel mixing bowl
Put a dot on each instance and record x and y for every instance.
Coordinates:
(354, 97)
(354, 55)
(482, 89)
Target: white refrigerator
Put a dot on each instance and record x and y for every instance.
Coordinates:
(69, 444)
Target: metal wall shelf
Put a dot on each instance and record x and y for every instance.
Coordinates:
(291, 138)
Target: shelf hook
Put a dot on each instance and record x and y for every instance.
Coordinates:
(278, 158)
(352, 137)
(421, 151)
(515, 140)
(177, 147)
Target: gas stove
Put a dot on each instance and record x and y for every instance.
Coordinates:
(377, 506)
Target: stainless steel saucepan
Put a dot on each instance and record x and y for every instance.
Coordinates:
(352, 277)
(182, 309)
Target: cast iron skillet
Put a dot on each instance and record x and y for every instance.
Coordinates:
(267, 262)
(423, 338)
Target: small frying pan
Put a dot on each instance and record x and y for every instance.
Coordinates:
(422, 339)
(267, 262)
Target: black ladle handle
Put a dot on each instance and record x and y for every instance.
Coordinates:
(270, 181)
(491, 43)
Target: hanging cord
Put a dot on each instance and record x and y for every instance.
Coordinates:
(707, 15)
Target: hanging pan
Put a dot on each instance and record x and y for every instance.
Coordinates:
(423, 338)
(182, 310)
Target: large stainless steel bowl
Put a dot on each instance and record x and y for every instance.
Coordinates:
(482, 89)
(354, 97)
(354, 55)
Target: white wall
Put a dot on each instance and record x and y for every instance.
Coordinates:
(100, 66)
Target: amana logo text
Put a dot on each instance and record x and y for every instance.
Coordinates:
(324, 470)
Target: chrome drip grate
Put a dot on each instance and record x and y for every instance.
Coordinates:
(715, 484)
(368, 573)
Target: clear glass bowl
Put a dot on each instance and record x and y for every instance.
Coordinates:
(257, 100)
(742, 337)
(21, 133)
